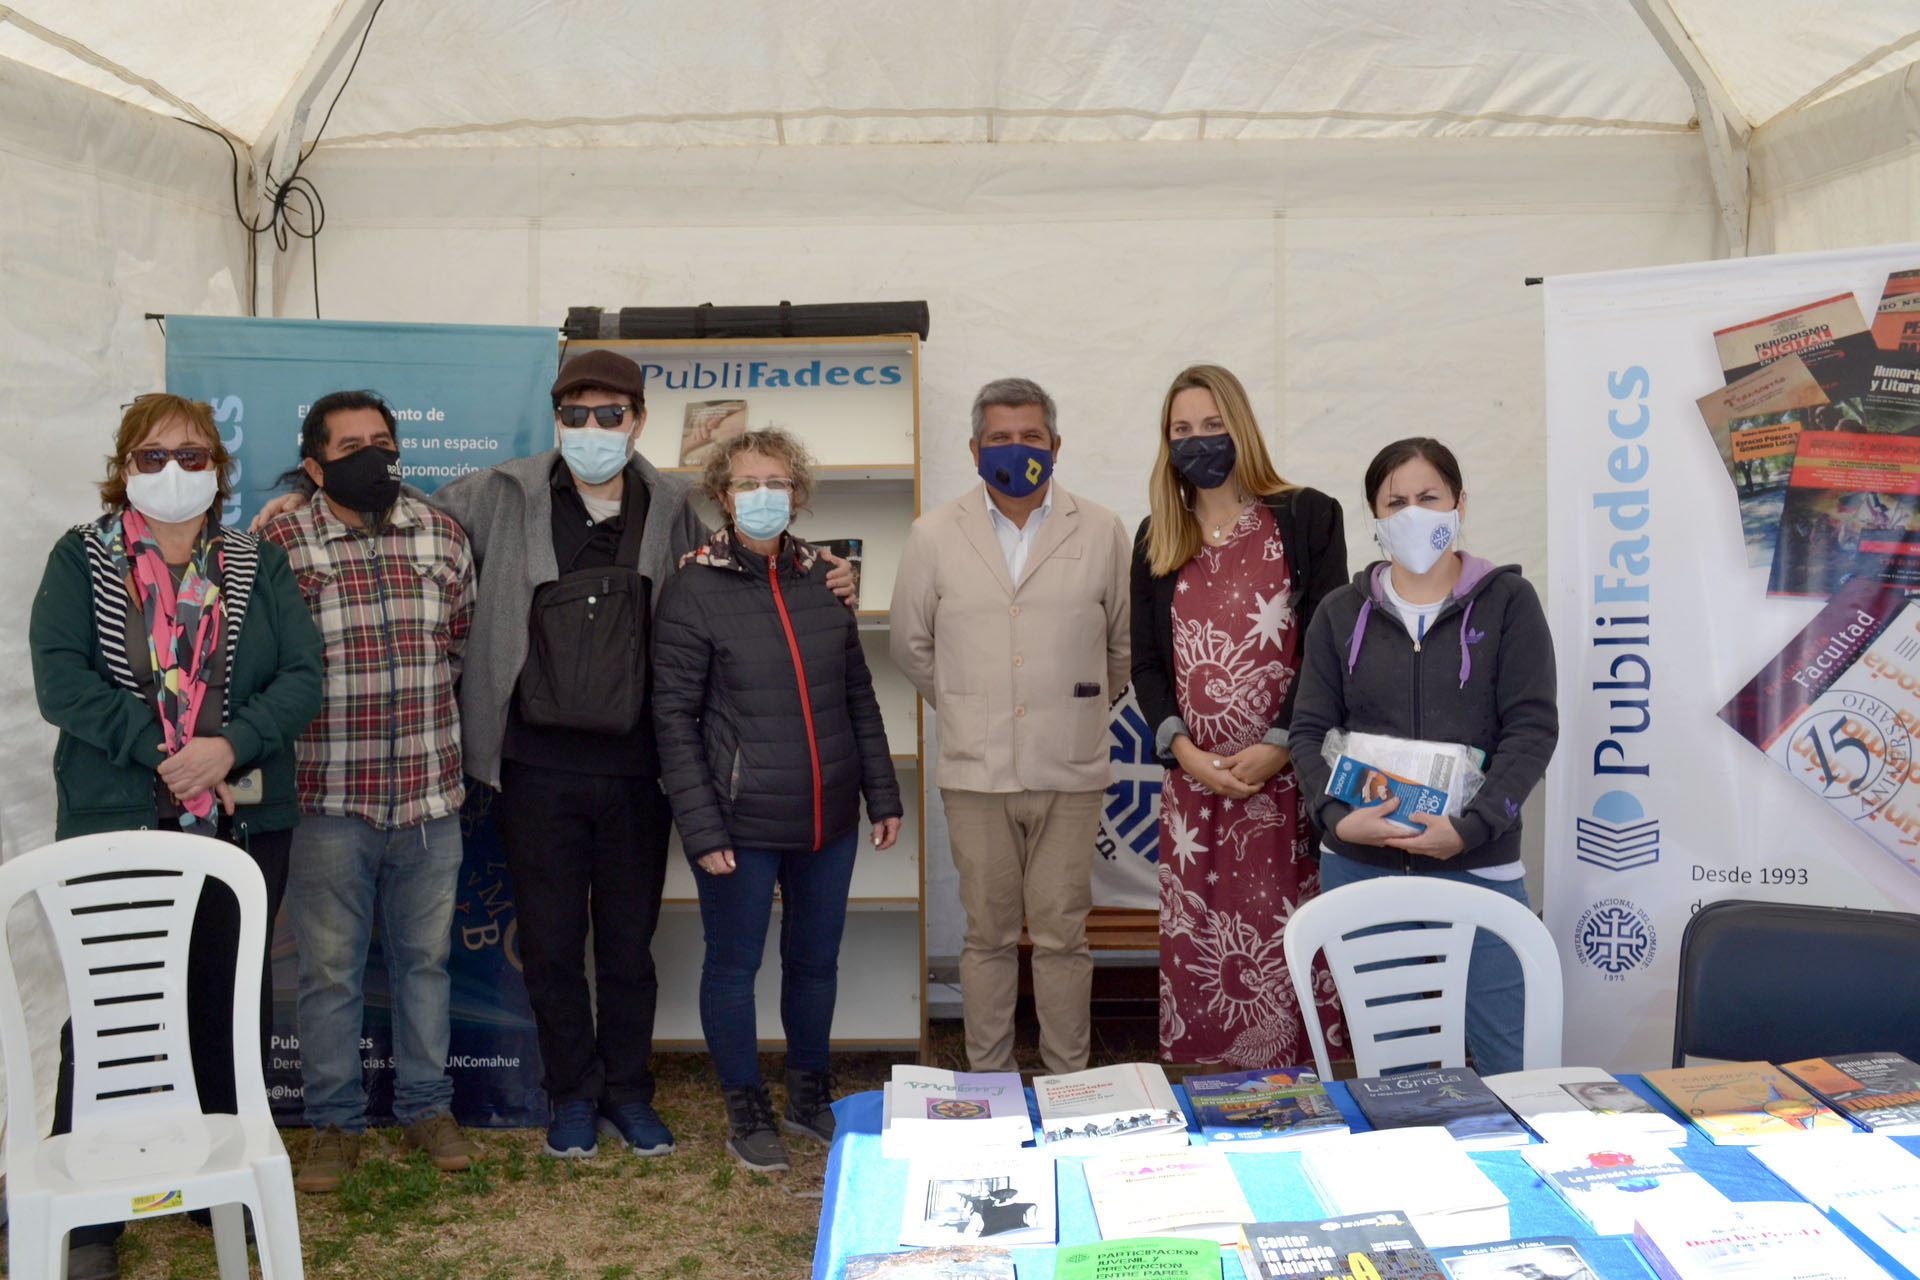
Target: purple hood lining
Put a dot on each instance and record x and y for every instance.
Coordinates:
(1473, 571)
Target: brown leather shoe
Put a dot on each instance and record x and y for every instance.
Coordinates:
(331, 1153)
(440, 1137)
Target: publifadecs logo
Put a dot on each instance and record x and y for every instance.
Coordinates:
(1619, 835)
(1131, 818)
(1616, 937)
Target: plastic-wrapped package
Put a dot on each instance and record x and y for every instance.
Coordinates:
(1426, 777)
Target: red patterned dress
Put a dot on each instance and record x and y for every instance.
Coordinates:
(1231, 871)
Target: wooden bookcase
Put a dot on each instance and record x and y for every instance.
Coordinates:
(864, 433)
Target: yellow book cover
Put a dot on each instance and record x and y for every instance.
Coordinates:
(1741, 1103)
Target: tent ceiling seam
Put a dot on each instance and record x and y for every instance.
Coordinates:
(1820, 91)
(103, 63)
(1723, 129)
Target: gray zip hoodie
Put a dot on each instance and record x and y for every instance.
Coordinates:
(1483, 676)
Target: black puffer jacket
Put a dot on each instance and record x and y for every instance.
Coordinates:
(755, 753)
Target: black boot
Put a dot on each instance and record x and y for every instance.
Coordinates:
(809, 1110)
(753, 1140)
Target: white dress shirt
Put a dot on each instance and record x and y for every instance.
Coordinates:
(1017, 540)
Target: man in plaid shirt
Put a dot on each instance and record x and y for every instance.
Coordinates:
(390, 582)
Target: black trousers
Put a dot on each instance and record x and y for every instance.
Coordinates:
(587, 848)
(210, 970)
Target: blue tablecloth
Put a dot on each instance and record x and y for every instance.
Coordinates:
(860, 1209)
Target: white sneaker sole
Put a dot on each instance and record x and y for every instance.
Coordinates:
(750, 1166)
(612, 1130)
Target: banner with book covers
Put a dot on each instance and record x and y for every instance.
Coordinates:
(1734, 590)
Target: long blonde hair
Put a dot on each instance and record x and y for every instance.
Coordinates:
(1173, 532)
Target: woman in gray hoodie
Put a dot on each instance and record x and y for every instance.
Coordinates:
(1434, 644)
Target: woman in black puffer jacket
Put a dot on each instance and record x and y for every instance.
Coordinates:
(769, 737)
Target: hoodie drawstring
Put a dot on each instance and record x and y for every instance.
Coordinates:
(1466, 648)
(1359, 632)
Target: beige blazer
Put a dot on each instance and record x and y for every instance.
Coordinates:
(1021, 674)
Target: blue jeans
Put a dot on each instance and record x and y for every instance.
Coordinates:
(343, 870)
(734, 912)
(1496, 989)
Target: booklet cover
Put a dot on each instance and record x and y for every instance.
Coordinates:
(1371, 1244)
(1423, 1173)
(1852, 510)
(1191, 1194)
(1455, 1099)
(1140, 1258)
(1742, 1103)
(1129, 1101)
(926, 1109)
(1582, 1103)
(1772, 388)
(1610, 1186)
(940, 1262)
(1763, 450)
(1830, 335)
(1891, 403)
(1878, 1090)
(1542, 1258)
(1762, 1238)
(1275, 1109)
(1006, 1198)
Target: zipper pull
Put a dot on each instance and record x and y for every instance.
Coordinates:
(1416, 646)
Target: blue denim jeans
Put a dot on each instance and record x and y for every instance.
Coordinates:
(1496, 989)
(344, 870)
(734, 912)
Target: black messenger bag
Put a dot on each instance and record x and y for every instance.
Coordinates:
(586, 663)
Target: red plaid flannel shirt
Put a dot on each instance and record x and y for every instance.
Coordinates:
(393, 612)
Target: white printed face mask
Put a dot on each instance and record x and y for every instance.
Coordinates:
(1416, 537)
(173, 495)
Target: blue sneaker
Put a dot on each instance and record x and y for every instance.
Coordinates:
(638, 1125)
(570, 1134)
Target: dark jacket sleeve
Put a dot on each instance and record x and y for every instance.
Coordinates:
(1525, 693)
(1152, 664)
(269, 719)
(74, 694)
(1320, 708)
(682, 655)
(1322, 559)
(877, 781)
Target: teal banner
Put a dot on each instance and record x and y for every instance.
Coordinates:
(464, 397)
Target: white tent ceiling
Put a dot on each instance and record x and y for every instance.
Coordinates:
(815, 71)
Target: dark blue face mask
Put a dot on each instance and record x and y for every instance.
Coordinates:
(1205, 461)
(1015, 469)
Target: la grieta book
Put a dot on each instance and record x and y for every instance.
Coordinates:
(1541, 1258)
(1422, 1173)
(1880, 1091)
(940, 1262)
(1358, 1247)
(1609, 1185)
(1128, 1105)
(1275, 1109)
(1741, 1103)
(1454, 1098)
(1757, 1240)
(1139, 1258)
(1187, 1193)
(1583, 1103)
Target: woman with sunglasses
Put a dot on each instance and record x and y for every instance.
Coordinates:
(769, 735)
(179, 663)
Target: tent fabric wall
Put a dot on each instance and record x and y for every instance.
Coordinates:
(1843, 173)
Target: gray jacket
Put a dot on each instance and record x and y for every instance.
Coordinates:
(507, 511)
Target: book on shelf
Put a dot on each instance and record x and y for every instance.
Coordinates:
(1422, 1173)
(1830, 335)
(938, 1262)
(927, 1111)
(1609, 1186)
(1383, 1245)
(1003, 1197)
(1139, 1258)
(708, 424)
(1189, 1193)
(1878, 1091)
(850, 550)
(1741, 1103)
(1757, 1240)
(1582, 1103)
(1128, 1106)
(1851, 510)
(1541, 1258)
(1276, 1109)
(1453, 1098)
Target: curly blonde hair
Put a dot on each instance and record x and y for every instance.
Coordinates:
(771, 442)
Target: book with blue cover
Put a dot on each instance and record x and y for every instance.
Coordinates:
(1275, 1109)
(1453, 1098)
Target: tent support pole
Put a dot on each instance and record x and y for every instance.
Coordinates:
(1722, 127)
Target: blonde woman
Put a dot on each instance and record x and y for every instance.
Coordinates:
(1227, 571)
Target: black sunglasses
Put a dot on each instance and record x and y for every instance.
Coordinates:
(192, 457)
(607, 415)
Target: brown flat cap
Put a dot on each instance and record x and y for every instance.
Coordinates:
(600, 368)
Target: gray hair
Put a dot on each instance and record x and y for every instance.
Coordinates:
(1012, 393)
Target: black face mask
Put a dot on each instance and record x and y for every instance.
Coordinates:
(1206, 461)
(366, 480)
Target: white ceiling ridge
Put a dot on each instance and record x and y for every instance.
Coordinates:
(1821, 90)
(1723, 127)
(112, 68)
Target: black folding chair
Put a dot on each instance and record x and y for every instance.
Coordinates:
(1781, 982)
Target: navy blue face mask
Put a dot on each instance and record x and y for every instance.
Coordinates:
(1205, 461)
(1015, 469)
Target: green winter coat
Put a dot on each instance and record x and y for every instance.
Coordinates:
(109, 748)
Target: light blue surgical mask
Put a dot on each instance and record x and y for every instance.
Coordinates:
(762, 513)
(594, 454)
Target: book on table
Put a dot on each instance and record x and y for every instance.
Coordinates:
(1422, 1173)
(937, 1262)
(1380, 1244)
(1583, 1104)
(1609, 1186)
(1541, 1258)
(1003, 1197)
(1139, 1258)
(1878, 1091)
(1187, 1193)
(1276, 1109)
(1757, 1240)
(1128, 1106)
(1868, 1179)
(927, 1110)
(1741, 1103)
(1453, 1098)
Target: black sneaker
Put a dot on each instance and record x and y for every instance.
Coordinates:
(809, 1110)
(753, 1140)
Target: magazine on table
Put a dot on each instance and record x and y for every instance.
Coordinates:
(1139, 1258)
(1276, 1109)
(1006, 1198)
(1879, 1091)
(1830, 335)
(1851, 510)
(1741, 1103)
(1423, 1173)
(1381, 1244)
(1758, 1240)
(1127, 1106)
(928, 1110)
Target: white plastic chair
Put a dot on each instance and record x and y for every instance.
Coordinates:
(1427, 964)
(140, 1146)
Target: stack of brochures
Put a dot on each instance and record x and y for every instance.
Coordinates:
(1277, 1109)
(1125, 1108)
(1422, 1173)
(1583, 1104)
(929, 1111)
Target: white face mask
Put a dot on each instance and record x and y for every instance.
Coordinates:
(1416, 537)
(173, 495)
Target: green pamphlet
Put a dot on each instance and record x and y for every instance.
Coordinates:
(1139, 1258)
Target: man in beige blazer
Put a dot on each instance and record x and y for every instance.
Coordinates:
(1010, 617)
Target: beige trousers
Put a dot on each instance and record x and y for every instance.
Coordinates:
(1025, 854)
